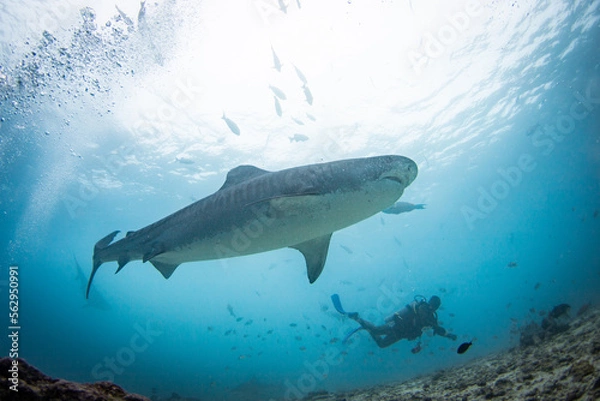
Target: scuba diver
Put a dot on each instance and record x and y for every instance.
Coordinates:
(407, 323)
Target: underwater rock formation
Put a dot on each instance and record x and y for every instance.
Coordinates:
(34, 385)
(564, 366)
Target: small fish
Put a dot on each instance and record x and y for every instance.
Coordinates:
(560, 310)
(512, 264)
(276, 62)
(278, 92)
(533, 129)
(277, 106)
(125, 18)
(232, 125)
(239, 319)
(311, 117)
(298, 138)
(334, 340)
(537, 286)
(584, 308)
(270, 331)
(228, 332)
(298, 338)
(302, 348)
(397, 241)
(230, 309)
(308, 95)
(210, 328)
(301, 76)
(451, 314)
(595, 213)
(417, 348)
(299, 122)
(249, 322)
(293, 325)
(463, 347)
(282, 6)
(345, 248)
(142, 12)
(403, 207)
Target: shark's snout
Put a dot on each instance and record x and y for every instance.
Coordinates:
(402, 170)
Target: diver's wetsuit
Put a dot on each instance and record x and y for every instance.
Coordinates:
(406, 323)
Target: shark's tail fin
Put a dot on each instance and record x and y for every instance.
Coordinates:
(103, 243)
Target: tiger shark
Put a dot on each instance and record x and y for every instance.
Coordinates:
(257, 211)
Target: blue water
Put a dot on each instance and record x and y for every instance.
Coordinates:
(110, 122)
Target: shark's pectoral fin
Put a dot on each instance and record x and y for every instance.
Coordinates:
(166, 269)
(315, 254)
(156, 250)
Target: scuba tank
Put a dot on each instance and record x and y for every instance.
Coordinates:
(417, 300)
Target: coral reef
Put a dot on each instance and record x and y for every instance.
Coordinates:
(563, 364)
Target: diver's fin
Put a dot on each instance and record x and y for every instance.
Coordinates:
(315, 254)
(166, 269)
(345, 340)
(103, 243)
(335, 298)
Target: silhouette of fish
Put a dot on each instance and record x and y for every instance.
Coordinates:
(233, 127)
(560, 310)
(463, 347)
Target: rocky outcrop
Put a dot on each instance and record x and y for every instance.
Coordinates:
(34, 385)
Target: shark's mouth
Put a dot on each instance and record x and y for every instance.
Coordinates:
(394, 178)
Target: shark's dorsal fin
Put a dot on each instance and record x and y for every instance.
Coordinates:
(165, 269)
(315, 254)
(241, 174)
